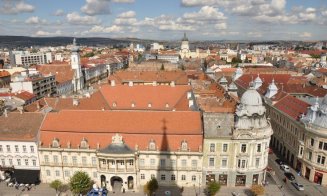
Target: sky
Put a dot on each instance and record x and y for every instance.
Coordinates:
(167, 19)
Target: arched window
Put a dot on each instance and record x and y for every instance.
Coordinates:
(184, 146)
(55, 143)
(152, 145)
(84, 143)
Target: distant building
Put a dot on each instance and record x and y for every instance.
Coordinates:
(26, 58)
(185, 51)
(75, 63)
(156, 46)
(5, 79)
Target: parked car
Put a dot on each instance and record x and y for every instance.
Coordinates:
(285, 168)
(289, 175)
(298, 186)
(279, 162)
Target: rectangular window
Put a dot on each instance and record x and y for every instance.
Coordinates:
(173, 177)
(141, 162)
(3, 162)
(94, 161)
(318, 159)
(163, 177)
(212, 147)
(193, 178)
(301, 150)
(74, 158)
(34, 162)
(323, 160)
(57, 173)
(84, 161)
(259, 148)
(243, 148)
(26, 161)
(10, 162)
(142, 176)
(55, 158)
(320, 145)
(16, 148)
(48, 172)
(46, 158)
(173, 163)
(24, 148)
(162, 162)
(183, 177)
(312, 142)
(95, 174)
(194, 164)
(225, 147)
(257, 161)
(184, 162)
(64, 159)
(67, 173)
(18, 162)
(211, 162)
(32, 149)
(310, 155)
(325, 146)
(152, 162)
(8, 148)
(153, 176)
(224, 163)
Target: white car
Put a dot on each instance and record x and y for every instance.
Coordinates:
(285, 168)
(298, 186)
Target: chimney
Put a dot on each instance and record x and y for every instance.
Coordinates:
(172, 83)
(130, 83)
(113, 83)
(190, 103)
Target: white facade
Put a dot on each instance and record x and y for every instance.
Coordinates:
(156, 46)
(20, 155)
(75, 62)
(26, 58)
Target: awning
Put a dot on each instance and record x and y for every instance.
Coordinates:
(26, 176)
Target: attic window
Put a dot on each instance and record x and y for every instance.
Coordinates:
(84, 143)
(184, 146)
(55, 143)
(133, 105)
(152, 145)
(149, 105)
(167, 105)
(114, 104)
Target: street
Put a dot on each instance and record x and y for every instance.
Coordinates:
(287, 188)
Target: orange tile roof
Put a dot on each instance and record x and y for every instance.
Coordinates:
(24, 95)
(137, 128)
(179, 77)
(143, 95)
(63, 72)
(4, 73)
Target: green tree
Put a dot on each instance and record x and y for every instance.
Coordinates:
(56, 184)
(162, 67)
(80, 183)
(151, 186)
(257, 190)
(213, 188)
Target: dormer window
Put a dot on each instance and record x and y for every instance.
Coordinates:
(184, 146)
(55, 143)
(152, 145)
(84, 143)
(133, 105)
(167, 105)
(149, 105)
(114, 104)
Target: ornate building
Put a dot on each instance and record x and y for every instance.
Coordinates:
(75, 62)
(185, 51)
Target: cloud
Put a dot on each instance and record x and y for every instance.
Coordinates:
(254, 34)
(15, 7)
(205, 13)
(59, 12)
(35, 20)
(128, 14)
(46, 33)
(193, 3)
(305, 35)
(123, 1)
(96, 7)
(76, 19)
(221, 26)
(101, 29)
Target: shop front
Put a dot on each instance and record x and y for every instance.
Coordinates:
(240, 180)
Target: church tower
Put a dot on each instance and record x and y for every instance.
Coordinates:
(185, 48)
(75, 62)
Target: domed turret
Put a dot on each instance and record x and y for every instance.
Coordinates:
(251, 98)
(317, 114)
(272, 90)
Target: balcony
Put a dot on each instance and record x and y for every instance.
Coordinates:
(117, 170)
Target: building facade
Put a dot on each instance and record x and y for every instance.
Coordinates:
(27, 59)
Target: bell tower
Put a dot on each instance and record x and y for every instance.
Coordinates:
(75, 62)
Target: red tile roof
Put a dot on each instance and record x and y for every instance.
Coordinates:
(4, 73)
(24, 95)
(137, 128)
(63, 72)
(123, 96)
(292, 106)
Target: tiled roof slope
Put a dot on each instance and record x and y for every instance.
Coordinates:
(20, 127)
(292, 106)
(137, 128)
(63, 72)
